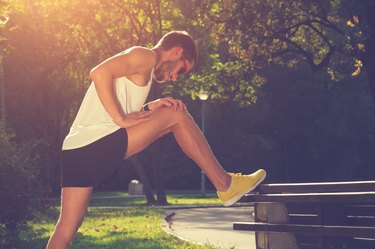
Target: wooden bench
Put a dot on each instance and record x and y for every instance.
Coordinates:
(313, 215)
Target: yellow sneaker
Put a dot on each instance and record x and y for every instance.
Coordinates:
(240, 185)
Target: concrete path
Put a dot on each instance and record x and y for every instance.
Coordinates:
(211, 225)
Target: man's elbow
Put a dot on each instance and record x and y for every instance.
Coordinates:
(98, 74)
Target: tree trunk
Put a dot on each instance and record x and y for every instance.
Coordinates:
(371, 81)
(161, 196)
(369, 53)
(144, 179)
(11, 234)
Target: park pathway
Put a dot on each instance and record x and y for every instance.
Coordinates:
(211, 225)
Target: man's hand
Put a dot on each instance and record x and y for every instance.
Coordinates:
(133, 118)
(178, 105)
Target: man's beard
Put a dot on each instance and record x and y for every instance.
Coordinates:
(159, 75)
(160, 72)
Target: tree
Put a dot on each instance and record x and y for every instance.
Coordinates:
(20, 191)
(334, 36)
(3, 20)
(47, 76)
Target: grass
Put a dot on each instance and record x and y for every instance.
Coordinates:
(132, 226)
(173, 200)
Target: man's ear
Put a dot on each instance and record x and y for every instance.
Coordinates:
(178, 51)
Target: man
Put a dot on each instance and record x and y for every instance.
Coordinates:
(114, 124)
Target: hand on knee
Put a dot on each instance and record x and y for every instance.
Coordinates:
(175, 115)
(169, 102)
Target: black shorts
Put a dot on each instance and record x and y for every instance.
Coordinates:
(91, 165)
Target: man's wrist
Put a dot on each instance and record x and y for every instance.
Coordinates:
(119, 121)
(146, 107)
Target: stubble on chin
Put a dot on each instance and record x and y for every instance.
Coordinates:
(162, 71)
(158, 80)
(159, 76)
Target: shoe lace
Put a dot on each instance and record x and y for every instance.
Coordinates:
(237, 175)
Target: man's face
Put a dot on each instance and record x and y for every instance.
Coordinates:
(172, 69)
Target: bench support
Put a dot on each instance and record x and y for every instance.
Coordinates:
(333, 215)
(275, 213)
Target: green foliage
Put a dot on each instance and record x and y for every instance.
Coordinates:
(240, 42)
(331, 36)
(47, 76)
(173, 199)
(19, 189)
(302, 128)
(112, 228)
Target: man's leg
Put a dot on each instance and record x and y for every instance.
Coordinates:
(74, 202)
(230, 187)
(188, 136)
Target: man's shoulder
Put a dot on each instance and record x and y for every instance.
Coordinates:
(140, 56)
(137, 60)
(138, 51)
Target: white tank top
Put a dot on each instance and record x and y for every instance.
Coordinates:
(93, 122)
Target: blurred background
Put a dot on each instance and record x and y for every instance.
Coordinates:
(290, 85)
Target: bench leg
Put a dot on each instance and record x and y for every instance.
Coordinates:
(273, 213)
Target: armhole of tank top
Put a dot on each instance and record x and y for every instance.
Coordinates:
(151, 78)
(124, 95)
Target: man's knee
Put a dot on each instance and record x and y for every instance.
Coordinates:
(176, 115)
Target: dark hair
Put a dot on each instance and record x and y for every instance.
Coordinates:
(183, 39)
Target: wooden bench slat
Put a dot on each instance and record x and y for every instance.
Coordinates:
(362, 221)
(298, 208)
(305, 219)
(304, 239)
(320, 230)
(354, 186)
(361, 210)
(347, 197)
(313, 215)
